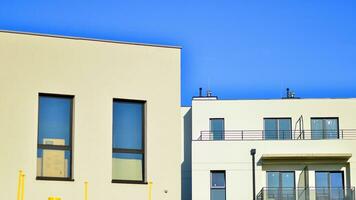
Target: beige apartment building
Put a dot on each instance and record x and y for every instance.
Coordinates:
(75, 110)
(305, 149)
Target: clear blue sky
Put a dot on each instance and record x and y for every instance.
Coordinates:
(240, 49)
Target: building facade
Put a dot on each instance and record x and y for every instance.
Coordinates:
(75, 110)
(305, 148)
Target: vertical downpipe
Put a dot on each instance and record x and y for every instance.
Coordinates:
(253, 153)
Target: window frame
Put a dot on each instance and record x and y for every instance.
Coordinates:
(324, 118)
(277, 119)
(280, 178)
(211, 182)
(132, 151)
(211, 131)
(57, 147)
(329, 177)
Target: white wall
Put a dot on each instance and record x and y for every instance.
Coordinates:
(235, 158)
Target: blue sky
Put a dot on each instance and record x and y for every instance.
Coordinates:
(238, 49)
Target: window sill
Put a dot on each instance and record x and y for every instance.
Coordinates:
(128, 182)
(45, 178)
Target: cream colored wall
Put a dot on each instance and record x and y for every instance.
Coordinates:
(249, 114)
(95, 72)
(234, 156)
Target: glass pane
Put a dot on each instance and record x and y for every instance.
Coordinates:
(331, 128)
(287, 179)
(273, 179)
(321, 179)
(285, 132)
(218, 194)
(317, 128)
(54, 120)
(217, 128)
(53, 163)
(271, 129)
(127, 125)
(127, 166)
(322, 185)
(217, 179)
(336, 185)
(336, 180)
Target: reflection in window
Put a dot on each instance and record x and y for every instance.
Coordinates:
(281, 185)
(217, 129)
(54, 150)
(329, 185)
(128, 142)
(327, 128)
(278, 129)
(217, 185)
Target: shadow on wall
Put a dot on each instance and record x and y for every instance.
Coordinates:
(186, 169)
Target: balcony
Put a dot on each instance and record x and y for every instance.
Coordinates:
(306, 194)
(238, 135)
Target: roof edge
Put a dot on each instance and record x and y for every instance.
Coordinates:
(89, 39)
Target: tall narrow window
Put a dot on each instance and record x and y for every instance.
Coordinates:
(217, 131)
(278, 128)
(128, 157)
(54, 143)
(325, 128)
(217, 185)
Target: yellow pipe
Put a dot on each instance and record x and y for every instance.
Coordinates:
(150, 190)
(86, 190)
(23, 187)
(19, 185)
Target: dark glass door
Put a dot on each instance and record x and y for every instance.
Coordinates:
(217, 131)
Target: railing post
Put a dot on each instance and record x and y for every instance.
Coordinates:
(342, 133)
(242, 135)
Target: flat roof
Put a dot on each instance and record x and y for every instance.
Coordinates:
(88, 39)
(270, 99)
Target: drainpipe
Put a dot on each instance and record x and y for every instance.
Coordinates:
(253, 153)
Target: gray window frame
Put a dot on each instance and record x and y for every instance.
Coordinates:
(133, 151)
(57, 147)
(217, 187)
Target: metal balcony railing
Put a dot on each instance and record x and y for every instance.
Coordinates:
(347, 134)
(306, 194)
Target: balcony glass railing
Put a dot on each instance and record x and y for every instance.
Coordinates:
(346, 134)
(306, 194)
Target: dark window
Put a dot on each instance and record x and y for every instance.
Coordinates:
(217, 185)
(278, 128)
(128, 159)
(54, 144)
(325, 128)
(217, 130)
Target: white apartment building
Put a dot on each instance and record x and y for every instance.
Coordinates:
(305, 149)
